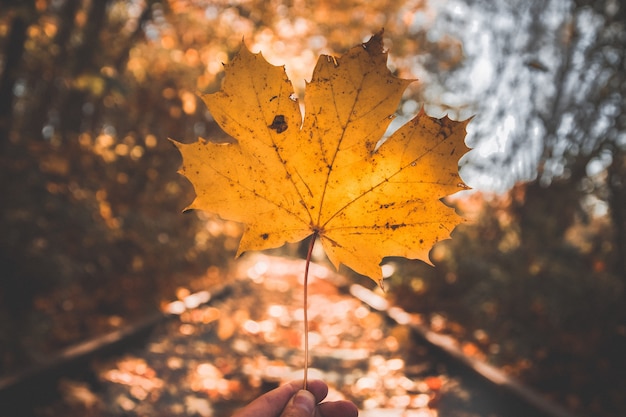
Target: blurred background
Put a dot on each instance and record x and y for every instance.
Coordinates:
(92, 233)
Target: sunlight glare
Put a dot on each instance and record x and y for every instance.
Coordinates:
(257, 271)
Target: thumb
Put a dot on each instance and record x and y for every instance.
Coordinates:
(301, 405)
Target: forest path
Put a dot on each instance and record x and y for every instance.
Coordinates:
(220, 351)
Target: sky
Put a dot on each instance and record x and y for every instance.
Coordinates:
(517, 84)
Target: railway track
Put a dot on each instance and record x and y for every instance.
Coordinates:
(213, 352)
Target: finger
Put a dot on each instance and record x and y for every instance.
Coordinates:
(301, 405)
(271, 403)
(317, 387)
(337, 409)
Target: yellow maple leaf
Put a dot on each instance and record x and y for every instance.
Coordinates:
(287, 178)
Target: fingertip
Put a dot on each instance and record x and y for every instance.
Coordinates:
(305, 401)
(351, 410)
(338, 408)
(318, 388)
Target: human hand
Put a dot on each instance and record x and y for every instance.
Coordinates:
(290, 400)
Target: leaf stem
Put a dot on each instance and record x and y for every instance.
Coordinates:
(306, 309)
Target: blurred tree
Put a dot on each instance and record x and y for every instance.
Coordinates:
(549, 103)
(541, 275)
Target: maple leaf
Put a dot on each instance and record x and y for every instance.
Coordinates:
(287, 178)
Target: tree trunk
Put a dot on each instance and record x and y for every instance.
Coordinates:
(12, 59)
(49, 90)
(617, 203)
(84, 60)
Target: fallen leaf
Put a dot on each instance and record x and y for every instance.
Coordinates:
(329, 175)
(435, 383)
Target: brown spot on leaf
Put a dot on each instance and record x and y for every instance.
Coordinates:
(279, 124)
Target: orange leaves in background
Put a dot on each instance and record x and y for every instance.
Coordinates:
(329, 174)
